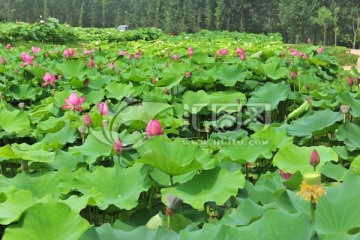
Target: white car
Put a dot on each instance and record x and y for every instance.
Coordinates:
(122, 28)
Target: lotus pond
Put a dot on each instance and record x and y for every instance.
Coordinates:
(205, 136)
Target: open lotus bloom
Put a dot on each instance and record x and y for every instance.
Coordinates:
(74, 102)
(48, 80)
(27, 59)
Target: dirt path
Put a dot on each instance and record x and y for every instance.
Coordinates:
(355, 52)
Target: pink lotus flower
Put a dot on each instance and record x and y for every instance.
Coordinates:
(242, 56)
(320, 50)
(314, 158)
(35, 50)
(284, 174)
(70, 52)
(176, 57)
(122, 53)
(304, 56)
(87, 120)
(88, 52)
(190, 51)
(3, 61)
(91, 63)
(153, 128)
(103, 108)
(223, 51)
(111, 65)
(350, 82)
(239, 51)
(188, 74)
(137, 55)
(293, 74)
(27, 59)
(74, 102)
(8, 46)
(48, 79)
(118, 146)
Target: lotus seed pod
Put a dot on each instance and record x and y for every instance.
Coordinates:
(312, 178)
(344, 108)
(82, 130)
(21, 105)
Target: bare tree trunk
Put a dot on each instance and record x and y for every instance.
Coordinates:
(355, 27)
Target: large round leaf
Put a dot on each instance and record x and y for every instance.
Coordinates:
(274, 71)
(14, 121)
(317, 121)
(172, 157)
(228, 75)
(40, 184)
(270, 93)
(118, 186)
(245, 150)
(216, 185)
(349, 133)
(276, 224)
(15, 204)
(71, 68)
(216, 101)
(27, 152)
(337, 212)
(23, 92)
(292, 158)
(45, 221)
(352, 102)
(106, 232)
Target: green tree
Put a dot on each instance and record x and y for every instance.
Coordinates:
(324, 19)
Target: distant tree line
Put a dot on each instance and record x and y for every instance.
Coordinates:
(321, 21)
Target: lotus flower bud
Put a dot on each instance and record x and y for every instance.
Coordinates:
(344, 108)
(285, 175)
(87, 120)
(166, 91)
(153, 128)
(314, 159)
(307, 86)
(350, 82)
(293, 74)
(3, 61)
(118, 146)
